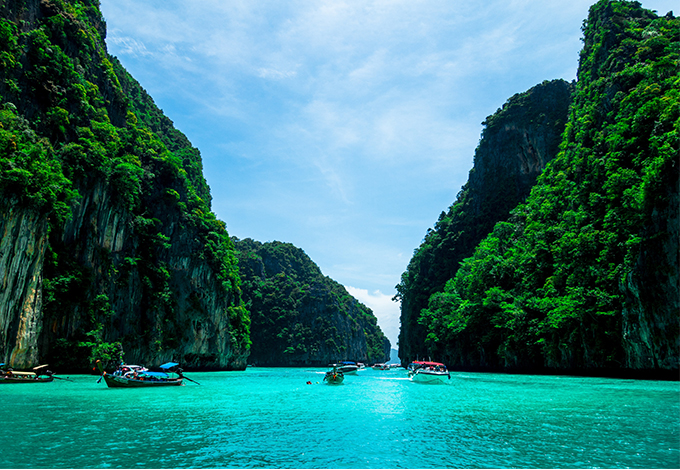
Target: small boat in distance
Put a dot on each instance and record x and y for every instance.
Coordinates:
(428, 372)
(40, 374)
(334, 376)
(348, 367)
(381, 366)
(133, 376)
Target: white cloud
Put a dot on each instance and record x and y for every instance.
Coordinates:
(384, 308)
(274, 74)
(127, 45)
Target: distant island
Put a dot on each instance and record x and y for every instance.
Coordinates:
(299, 317)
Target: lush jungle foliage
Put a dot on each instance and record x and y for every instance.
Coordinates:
(515, 145)
(545, 289)
(72, 119)
(299, 316)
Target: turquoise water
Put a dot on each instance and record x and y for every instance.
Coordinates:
(378, 419)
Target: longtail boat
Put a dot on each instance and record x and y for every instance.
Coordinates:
(133, 376)
(39, 375)
(334, 376)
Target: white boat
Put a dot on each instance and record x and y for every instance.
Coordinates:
(381, 366)
(428, 372)
(348, 367)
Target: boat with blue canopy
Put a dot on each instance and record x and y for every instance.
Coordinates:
(133, 376)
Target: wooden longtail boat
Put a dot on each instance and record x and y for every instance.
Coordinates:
(334, 376)
(9, 376)
(132, 376)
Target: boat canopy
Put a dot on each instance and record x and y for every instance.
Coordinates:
(155, 374)
(168, 365)
(349, 363)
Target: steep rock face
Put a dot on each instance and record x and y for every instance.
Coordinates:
(134, 259)
(517, 142)
(300, 317)
(22, 251)
(178, 312)
(650, 321)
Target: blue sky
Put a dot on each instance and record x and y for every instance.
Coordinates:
(343, 127)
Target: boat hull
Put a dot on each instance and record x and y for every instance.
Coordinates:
(333, 379)
(12, 380)
(115, 381)
(428, 377)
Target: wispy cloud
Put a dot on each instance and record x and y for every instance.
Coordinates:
(127, 45)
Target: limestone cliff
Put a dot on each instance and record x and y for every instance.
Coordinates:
(301, 317)
(517, 142)
(583, 276)
(22, 251)
(107, 236)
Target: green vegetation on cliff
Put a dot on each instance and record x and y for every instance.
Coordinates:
(299, 316)
(584, 275)
(123, 192)
(517, 142)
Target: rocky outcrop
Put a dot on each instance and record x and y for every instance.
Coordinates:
(650, 320)
(583, 277)
(137, 261)
(22, 250)
(517, 142)
(162, 305)
(301, 317)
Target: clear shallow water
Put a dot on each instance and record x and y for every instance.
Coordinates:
(378, 419)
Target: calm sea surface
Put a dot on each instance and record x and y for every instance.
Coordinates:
(377, 419)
